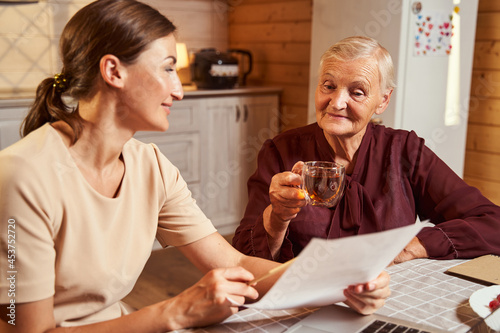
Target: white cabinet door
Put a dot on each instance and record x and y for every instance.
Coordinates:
(259, 122)
(236, 129)
(221, 163)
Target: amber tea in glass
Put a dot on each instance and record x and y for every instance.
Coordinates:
(323, 182)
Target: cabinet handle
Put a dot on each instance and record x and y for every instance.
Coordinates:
(245, 116)
(238, 113)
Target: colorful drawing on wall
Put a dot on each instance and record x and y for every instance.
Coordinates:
(433, 32)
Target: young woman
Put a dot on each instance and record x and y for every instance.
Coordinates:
(87, 200)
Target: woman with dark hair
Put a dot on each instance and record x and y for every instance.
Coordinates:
(86, 200)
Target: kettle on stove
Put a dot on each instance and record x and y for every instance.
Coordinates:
(212, 69)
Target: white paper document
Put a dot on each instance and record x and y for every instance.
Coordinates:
(325, 267)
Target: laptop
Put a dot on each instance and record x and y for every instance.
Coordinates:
(340, 319)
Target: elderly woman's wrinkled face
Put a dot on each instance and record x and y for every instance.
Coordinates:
(347, 96)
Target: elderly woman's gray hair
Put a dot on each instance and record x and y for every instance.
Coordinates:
(356, 47)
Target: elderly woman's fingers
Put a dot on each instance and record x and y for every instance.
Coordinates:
(363, 305)
(297, 167)
(366, 298)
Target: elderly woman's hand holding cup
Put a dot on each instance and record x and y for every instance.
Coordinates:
(286, 195)
(316, 182)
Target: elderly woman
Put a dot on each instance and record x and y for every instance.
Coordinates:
(391, 176)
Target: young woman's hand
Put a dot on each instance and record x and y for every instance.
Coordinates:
(212, 299)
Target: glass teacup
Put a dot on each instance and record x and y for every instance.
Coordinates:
(323, 182)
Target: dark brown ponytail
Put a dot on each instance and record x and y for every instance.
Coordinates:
(123, 28)
(49, 107)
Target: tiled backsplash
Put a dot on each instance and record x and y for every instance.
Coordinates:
(29, 35)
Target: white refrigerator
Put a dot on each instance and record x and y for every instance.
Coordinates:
(432, 45)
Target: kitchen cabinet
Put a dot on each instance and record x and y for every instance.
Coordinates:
(236, 129)
(213, 139)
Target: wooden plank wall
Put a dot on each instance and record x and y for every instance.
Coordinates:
(482, 158)
(278, 32)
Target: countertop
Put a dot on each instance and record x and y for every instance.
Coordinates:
(192, 91)
(25, 99)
